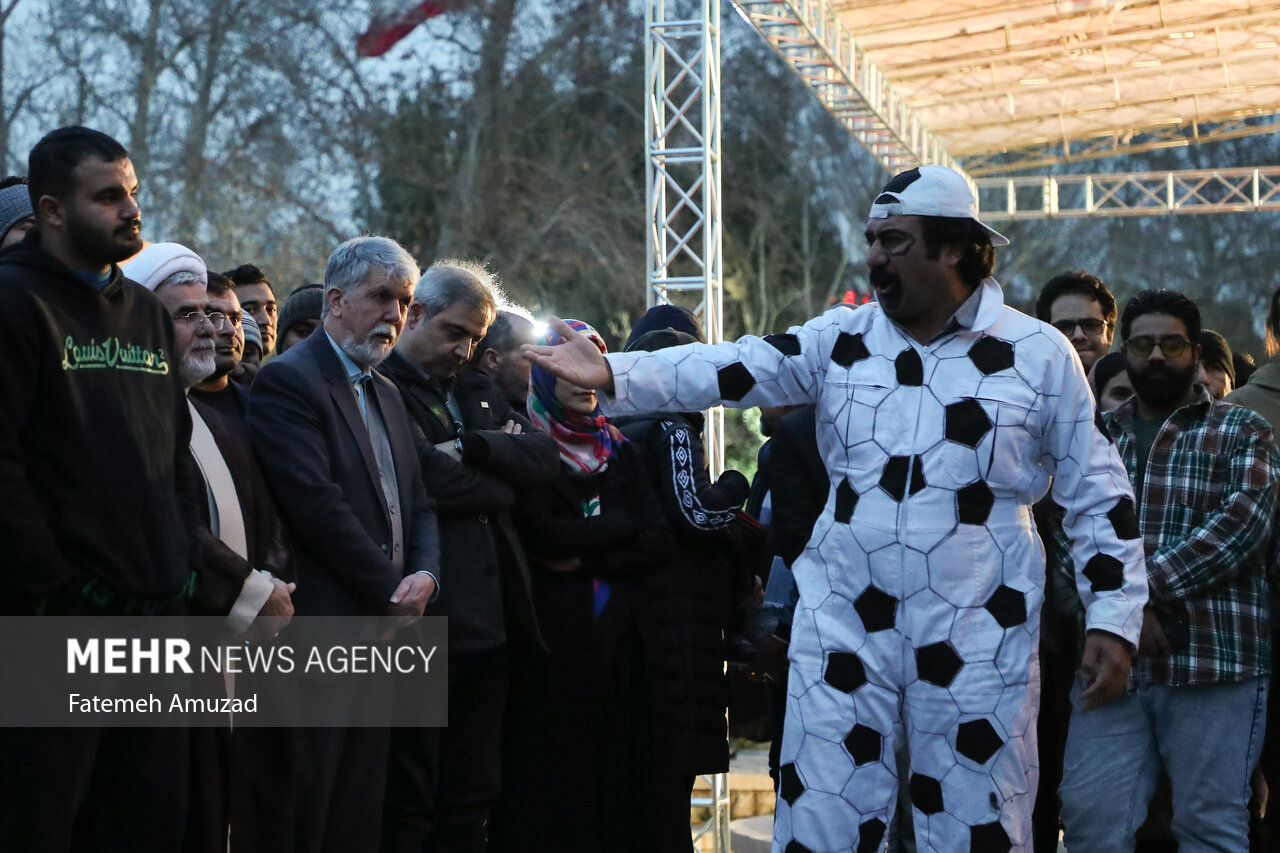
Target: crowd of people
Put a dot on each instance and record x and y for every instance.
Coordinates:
(998, 580)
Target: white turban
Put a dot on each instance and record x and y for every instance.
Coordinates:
(157, 262)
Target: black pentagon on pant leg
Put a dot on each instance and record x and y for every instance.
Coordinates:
(909, 367)
(871, 835)
(864, 744)
(849, 349)
(991, 355)
(977, 741)
(786, 344)
(735, 381)
(938, 663)
(1124, 519)
(1007, 606)
(989, 838)
(966, 422)
(845, 672)
(846, 502)
(926, 793)
(789, 785)
(877, 608)
(1104, 572)
(796, 847)
(974, 502)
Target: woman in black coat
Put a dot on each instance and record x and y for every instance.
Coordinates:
(577, 753)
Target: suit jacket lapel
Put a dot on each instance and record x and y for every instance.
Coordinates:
(344, 397)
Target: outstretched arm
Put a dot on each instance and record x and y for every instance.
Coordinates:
(576, 360)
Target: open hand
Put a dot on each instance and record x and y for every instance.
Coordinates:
(576, 360)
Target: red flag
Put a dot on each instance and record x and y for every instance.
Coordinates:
(384, 32)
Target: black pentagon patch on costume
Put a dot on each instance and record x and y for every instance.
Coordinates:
(938, 663)
(926, 793)
(845, 672)
(735, 381)
(785, 344)
(1008, 606)
(877, 608)
(977, 741)
(796, 847)
(894, 477)
(966, 422)
(1104, 572)
(870, 836)
(974, 502)
(848, 349)
(991, 355)
(1124, 519)
(1102, 427)
(789, 785)
(989, 838)
(846, 502)
(864, 744)
(909, 367)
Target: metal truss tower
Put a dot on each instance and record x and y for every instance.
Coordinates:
(682, 203)
(682, 171)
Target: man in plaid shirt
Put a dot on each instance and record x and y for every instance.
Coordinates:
(1204, 475)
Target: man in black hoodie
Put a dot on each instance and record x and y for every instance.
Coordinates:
(95, 505)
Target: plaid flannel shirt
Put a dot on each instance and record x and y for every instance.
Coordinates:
(1204, 514)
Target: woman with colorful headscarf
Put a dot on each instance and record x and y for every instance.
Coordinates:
(574, 769)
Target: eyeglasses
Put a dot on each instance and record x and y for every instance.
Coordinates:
(217, 318)
(1171, 346)
(1089, 325)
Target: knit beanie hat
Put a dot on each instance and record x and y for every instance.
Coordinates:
(158, 261)
(660, 339)
(15, 205)
(665, 317)
(252, 334)
(303, 304)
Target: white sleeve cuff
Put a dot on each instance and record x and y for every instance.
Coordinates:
(436, 592)
(253, 595)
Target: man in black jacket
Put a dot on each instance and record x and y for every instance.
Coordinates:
(96, 497)
(484, 452)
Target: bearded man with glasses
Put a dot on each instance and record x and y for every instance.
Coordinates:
(1204, 476)
(1081, 307)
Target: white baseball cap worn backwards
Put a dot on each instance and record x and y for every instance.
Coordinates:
(931, 191)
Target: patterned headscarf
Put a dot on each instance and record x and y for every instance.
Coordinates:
(586, 443)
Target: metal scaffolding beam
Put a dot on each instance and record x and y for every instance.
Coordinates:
(813, 41)
(684, 251)
(1115, 144)
(1131, 194)
(682, 171)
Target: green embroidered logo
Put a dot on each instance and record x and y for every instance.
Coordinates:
(114, 354)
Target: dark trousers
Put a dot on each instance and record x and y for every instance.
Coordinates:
(100, 790)
(1058, 660)
(470, 756)
(344, 772)
(247, 781)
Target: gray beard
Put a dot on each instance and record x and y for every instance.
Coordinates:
(196, 367)
(368, 353)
